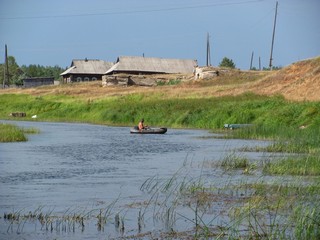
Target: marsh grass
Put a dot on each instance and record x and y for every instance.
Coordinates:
(275, 212)
(30, 130)
(254, 211)
(307, 219)
(234, 161)
(11, 133)
(285, 139)
(71, 220)
(302, 166)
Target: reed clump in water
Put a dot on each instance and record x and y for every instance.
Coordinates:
(11, 133)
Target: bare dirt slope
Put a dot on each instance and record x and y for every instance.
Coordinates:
(298, 82)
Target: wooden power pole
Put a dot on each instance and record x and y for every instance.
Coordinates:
(274, 30)
(259, 63)
(251, 60)
(6, 68)
(208, 51)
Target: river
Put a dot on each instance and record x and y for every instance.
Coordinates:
(71, 168)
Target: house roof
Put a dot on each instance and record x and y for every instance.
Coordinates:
(156, 65)
(88, 66)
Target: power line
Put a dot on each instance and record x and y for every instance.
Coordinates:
(134, 11)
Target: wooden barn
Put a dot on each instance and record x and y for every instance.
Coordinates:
(148, 65)
(37, 81)
(86, 70)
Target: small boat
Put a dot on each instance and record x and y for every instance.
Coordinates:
(148, 130)
(236, 126)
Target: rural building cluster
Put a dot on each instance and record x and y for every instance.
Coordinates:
(125, 70)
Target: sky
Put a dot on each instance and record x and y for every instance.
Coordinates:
(50, 33)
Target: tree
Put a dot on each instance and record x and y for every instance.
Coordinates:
(42, 71)
(17, 74)
(14, 70)
(226, 62)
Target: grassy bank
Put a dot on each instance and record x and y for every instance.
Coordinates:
(205, 113)
(294, 125)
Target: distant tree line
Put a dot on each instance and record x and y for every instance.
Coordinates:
(18, 73)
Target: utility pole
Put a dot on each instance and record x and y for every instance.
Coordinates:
(274, 30)
(251, 60)
(259, 63)
(208, 51)
(6, 68)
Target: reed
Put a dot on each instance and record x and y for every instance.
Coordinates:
(254, 211)
(303, 166)
(234, 161)
(307, 219)
(11, 133)
(257, 210)
(275, 211)
(286, 139)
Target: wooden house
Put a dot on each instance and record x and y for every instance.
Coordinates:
(85, 70)
(149, 65)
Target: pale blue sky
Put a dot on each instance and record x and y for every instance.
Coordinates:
(49, 33)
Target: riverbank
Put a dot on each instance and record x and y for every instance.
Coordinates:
(286, 98)
(156, 109)
(202, 104)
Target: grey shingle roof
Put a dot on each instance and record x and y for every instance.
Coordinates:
(88, 66)
(154, 65)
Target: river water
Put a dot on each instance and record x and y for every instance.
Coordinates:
(78, 168)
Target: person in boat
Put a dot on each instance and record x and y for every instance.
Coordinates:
(141, 125)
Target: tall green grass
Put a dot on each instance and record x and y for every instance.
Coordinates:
(207, 113)
(303, 166)
(11, 133)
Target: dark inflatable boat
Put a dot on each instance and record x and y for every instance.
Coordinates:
(148, 130)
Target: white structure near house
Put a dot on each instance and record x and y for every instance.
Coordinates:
(205, 72)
